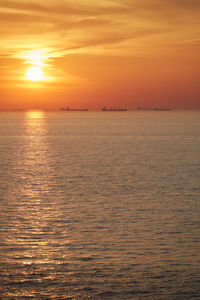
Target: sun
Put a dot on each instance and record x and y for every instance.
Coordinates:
(35, 74)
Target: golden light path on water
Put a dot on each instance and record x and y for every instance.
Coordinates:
(37, 186)
(32, 233)
(36, 157)
(35, 190)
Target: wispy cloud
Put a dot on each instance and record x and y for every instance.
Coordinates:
(81, 24)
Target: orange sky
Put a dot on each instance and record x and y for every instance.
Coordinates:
(100, 52)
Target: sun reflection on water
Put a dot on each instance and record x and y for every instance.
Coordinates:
(31, 233)
(36, 155)
(34, 114)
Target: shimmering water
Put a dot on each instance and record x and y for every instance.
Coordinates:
(99, 205)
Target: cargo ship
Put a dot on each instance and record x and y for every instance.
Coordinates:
(154, 108)
(73, 109)
(114, 109)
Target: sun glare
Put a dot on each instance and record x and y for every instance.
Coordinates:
(35, 74)
(34, 114)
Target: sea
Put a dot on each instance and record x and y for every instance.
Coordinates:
(100, 205)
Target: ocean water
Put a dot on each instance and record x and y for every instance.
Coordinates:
(100, 205)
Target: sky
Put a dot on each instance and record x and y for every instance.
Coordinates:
(96, 53)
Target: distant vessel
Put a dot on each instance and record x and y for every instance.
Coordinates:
(153, 108)
(114, 109)
(73, 109)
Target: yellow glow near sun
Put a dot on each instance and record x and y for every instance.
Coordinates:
(35, 74)
(39, 67)
(34, 114)
(36, 57)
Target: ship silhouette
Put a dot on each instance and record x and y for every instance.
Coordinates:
(73, 109)
(153, 108)
(114, 109)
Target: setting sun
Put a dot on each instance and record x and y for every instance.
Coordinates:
(35, 74)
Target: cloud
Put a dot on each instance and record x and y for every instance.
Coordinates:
(123, 25)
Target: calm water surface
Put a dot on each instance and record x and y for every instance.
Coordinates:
(100, 205)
